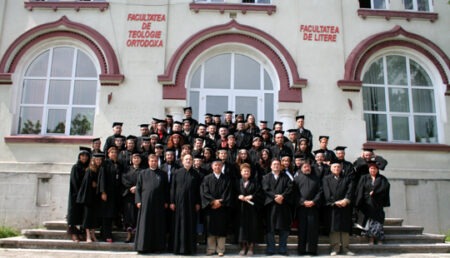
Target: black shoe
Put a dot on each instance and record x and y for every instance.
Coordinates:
(284, 253)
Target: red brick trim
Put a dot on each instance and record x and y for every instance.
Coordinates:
(243, 8)
(48, 139)
(68, 29)
(76, 5)
(389, 14)
(174, 77)
(376, 42)
(407, 146)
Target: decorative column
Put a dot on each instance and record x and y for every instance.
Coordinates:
(176, 112)
(287, 116)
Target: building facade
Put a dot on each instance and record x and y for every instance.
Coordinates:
(368, 73)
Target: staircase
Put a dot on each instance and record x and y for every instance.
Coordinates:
(398, 239)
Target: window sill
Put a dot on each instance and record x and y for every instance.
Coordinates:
(243, 8)
(48, 139)
(407, 146)
(388, 14)
(76, 5)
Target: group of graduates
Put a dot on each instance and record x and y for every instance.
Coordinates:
(179, 180)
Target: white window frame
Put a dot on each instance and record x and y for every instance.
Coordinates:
(439, 100)
(257, 2)
(232, 93)
(386, 2)
(22, 67)
(416, 6)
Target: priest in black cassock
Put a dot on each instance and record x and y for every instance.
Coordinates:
(185, 203)
(338, 193)
(308, 192)
(151, 199)
(277, 187)
(215, 192)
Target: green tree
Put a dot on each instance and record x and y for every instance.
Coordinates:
(30, 128)
(80, 125)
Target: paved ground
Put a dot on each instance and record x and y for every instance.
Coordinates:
(28, 253)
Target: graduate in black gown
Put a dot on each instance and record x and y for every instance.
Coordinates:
(250, 201)
(152, 200)
(117, 131)
(74, 209)
(277, 187)
(89, 197)
(215, 192)
(372, 197)
(185, 203)
(338, 194)
(308, 192)
(129, 181)
(109, 186)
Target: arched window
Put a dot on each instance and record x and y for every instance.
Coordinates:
(232, 81)
(399, 101)
(58, 93)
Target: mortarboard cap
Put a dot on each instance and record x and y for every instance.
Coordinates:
(368, 149)
(277, 123)
(292, 130)
(208, 114)
(228, 112)
(187, 108)
(85, 150)
(99, 155)
(131, 137)
(169, 116)
(117, 124)
(340, 148)
(299, 117)
(143, 125)
(146, 139)
(318, 151)
(177, 122)
(263, 122)
(278, 131)
(95, 139)
(324, 136)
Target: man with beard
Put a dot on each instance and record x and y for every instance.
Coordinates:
(117, 131)
(308, 191)
(151, 199)
(185, 203)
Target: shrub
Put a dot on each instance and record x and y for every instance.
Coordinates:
(8, 232)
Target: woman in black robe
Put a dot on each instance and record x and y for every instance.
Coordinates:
(372, 196)
(250, 198)
(89, 197)
(185, 203)
(129, 181)
(152, 198)
(75, 210)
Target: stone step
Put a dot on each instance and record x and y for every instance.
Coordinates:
(121, 236)
(25, 243)
(62, 225)
(397, 230)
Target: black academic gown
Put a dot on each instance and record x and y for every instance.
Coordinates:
(214, 189)
(372, 206)
(249, 214)
(278, 216)
(74, 209)
(185, 194)
(278, 152)
(361, 167)
(339, 219)
(308, 188)
(305, 133)
(110, 182)
(129, 179)
(89, 198)
(152, 193)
